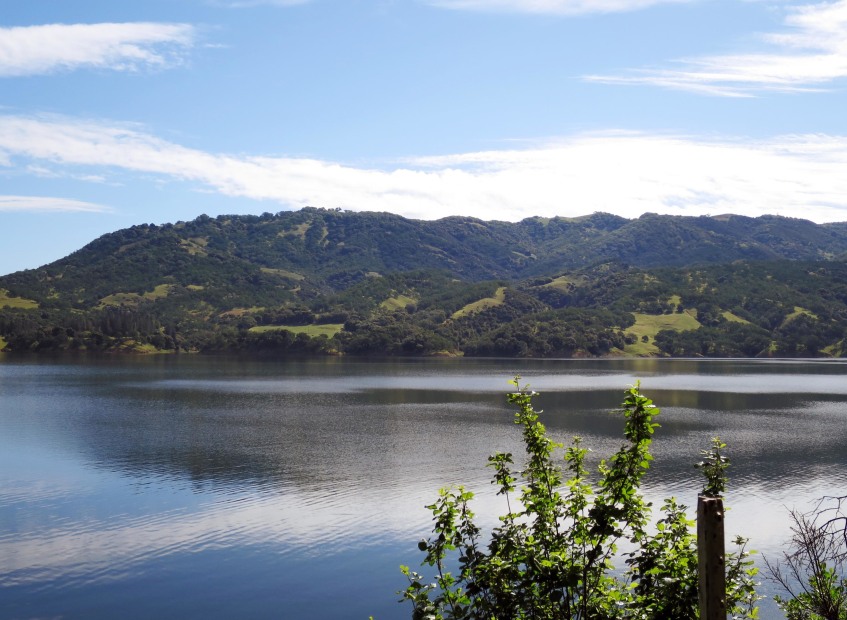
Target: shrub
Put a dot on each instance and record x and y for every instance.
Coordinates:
(552, 554)
(812, 570)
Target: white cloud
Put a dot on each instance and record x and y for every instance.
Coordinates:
(238, 4)
(811, 54)
(618, 172)
(554, 7)
(38, 204)
(111, 549)
(47, 173)
(33, 50)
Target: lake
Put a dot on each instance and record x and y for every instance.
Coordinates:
(187, 486)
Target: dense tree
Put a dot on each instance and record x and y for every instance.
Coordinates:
(541, 287)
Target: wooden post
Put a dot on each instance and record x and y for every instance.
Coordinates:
(710, 557)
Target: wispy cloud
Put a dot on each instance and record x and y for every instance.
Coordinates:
(33, 50)
(237, 4)
(551, 7)
(618, 172)
(38, 204)
(809, 55)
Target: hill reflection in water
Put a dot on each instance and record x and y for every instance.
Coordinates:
(218, 487)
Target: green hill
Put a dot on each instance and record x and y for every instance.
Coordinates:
(594, 285)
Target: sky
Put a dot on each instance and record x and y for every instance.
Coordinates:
(116, 113)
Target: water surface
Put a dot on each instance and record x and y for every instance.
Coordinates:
(175, 487)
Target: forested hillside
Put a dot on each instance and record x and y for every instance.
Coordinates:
(330, 281)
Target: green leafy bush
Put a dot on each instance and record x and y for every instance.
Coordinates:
(812, 569)
(552, 554)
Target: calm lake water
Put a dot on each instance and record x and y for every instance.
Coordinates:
(188, 487)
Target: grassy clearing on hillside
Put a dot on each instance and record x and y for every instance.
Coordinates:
(291, 275)
(3, 343)
(16, 302)
(196, 246)
(298, 231)
(798, 311)
(397, 303)
(133, 299)
(242, 311)
(561, 283)
(121, 299)
(482, 304)
(733, 318)
(651, 324)
(160, 291)
(330, 329)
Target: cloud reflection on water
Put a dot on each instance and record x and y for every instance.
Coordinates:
(112, 469)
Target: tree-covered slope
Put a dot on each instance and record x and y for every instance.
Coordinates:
(314, 251)
(376, 283)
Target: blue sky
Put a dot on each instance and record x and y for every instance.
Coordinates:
(122, 113)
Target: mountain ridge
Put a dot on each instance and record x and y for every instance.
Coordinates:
(488, 249)
(231, 274)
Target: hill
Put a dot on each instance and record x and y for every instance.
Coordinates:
(321, 280)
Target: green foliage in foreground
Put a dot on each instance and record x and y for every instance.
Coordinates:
(813, 569)
(553, 553)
